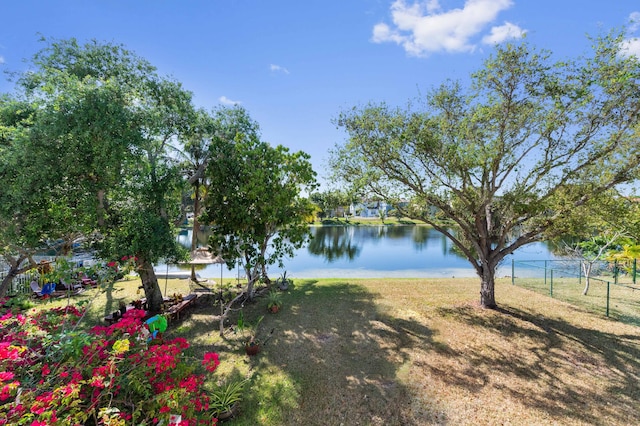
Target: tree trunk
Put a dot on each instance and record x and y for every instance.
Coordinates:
(6, 282)
(586, 266)
(487, 287)
(100, 209)
(196, 225)
(251, 280)
(225, 312)
(15, 270)
(252, 277)
(263, 268)
(150, 285)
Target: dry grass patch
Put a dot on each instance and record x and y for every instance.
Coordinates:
(417, 352)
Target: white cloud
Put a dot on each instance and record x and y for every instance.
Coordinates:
(1, 60)
(502, 33)
(433, 6)
(278, 68)
(422, 27)
(630, 47)
(634, 19)
(226, 101)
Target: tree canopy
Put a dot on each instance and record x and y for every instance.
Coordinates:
(93, 158)
(495, 165)
(255, 207)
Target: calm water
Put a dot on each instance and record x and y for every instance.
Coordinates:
(377, 252)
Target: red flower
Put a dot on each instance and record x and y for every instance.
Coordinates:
(211, 361)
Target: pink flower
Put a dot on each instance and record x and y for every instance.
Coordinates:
(211, 361)
(190, 384)
(5, 392)
(76, 377)
(5, 376)
(97, 382)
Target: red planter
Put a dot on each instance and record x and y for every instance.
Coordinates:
(252, 348)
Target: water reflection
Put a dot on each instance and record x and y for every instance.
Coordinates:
(202, 237)
(378, 251)
(346, 242)
(333, 243)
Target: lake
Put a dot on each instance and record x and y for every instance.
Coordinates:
(376, 252)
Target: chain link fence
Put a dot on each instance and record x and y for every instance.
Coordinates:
(611, 287)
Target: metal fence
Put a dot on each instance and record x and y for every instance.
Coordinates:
(612, 287)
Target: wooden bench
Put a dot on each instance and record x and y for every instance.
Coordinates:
(174, 311)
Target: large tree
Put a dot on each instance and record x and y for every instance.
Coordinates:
(97, 146)
(254, 203)
(34, 216)
(222, 123)
(484, 164)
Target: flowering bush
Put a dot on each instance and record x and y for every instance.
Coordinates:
(51, 374)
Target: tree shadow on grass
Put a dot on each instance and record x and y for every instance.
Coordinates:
(342, 357)
(563, 363)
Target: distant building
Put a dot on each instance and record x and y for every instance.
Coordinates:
(369, 208)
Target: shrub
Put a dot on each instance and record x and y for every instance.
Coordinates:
(52, 374)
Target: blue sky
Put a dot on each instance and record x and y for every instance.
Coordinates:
(295, 64)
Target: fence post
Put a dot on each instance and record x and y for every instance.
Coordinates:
(635, 269)
(580, 272)
(615, 271)
(545, 273)
(513, 271)
(608, 290)
(551, 285)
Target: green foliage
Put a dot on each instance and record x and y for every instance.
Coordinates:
(274, 298)
(256, 210)
(329, 201)
(93, 152)
(488, 164)
(248, 330)
(226, 395)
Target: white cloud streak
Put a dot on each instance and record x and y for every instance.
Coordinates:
(278, 68)
(503, 33)
(634, 21)
(1, 60)
(226, 101)
(422, 28)
(631, 45)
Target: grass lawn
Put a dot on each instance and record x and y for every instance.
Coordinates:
(418, 352)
